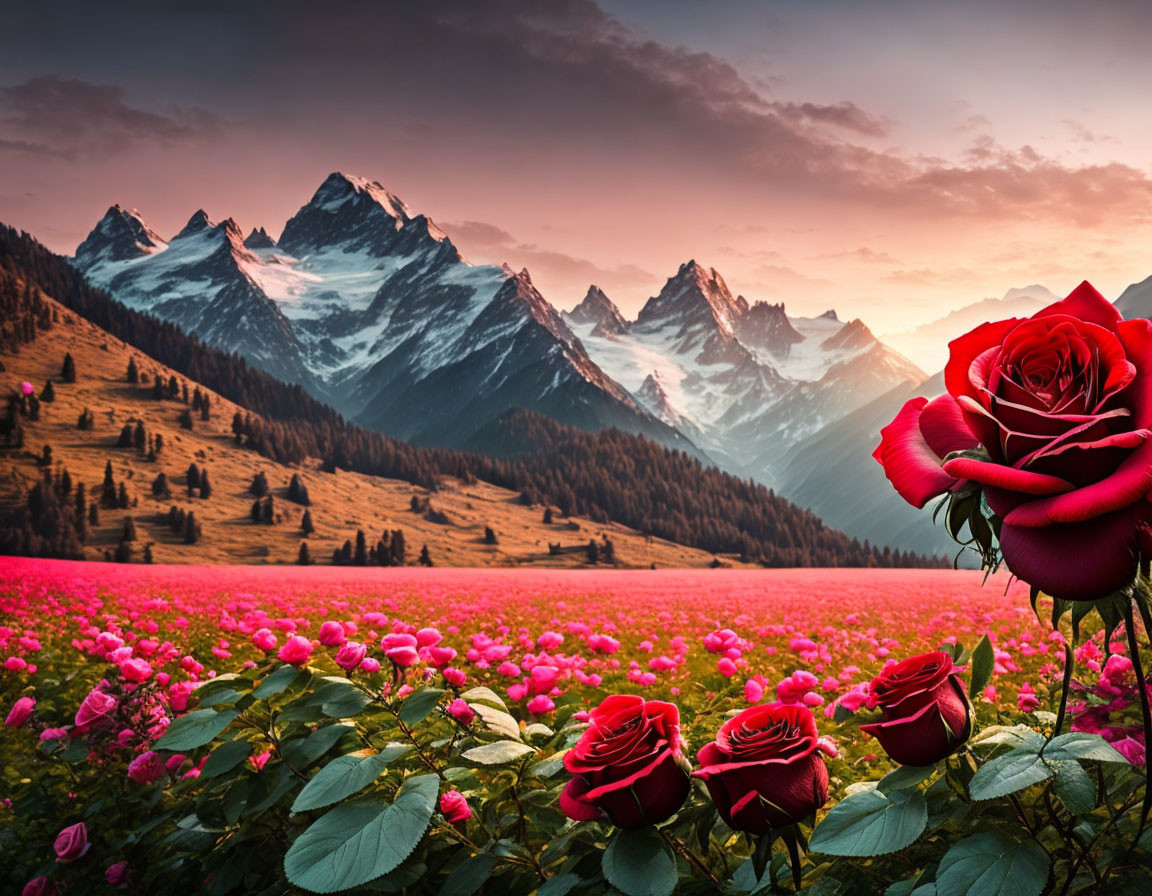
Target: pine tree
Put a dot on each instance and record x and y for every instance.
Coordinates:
(133, 375)
(361, 556)
(397, 548)
(160, 487)
(297, 491)
(425, 557)
(93, 514)
(547, 516)
(259, 486)
(304, 558)
(206, 408)
(191, 529)
(205, 486)
(490, 536)
(306, 523)
(124, 552)
(129, 530)
(122, 499)
(139, 436)
(86, 421)
(193, 478)
(185, 419)
(108, 495)
(125, 440)
(49, 392)
(148, 553)
(68, 369)
(593, 551)
(45, 457)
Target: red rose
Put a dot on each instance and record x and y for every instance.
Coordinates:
(927, 715)
(1061, 404)
(71, 843)
(764, 770)
(628, 765)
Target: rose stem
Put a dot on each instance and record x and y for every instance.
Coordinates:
(1146, 712)
(1068, 663)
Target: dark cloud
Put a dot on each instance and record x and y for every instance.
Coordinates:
(844, 115)
(63, 117)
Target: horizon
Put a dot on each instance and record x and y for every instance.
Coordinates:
(610, 143)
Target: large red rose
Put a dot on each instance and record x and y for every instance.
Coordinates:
(926, 714)
(628, 765)
(1061, 404)
(764, 770)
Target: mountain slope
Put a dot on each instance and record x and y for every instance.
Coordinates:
(611, 475)
(370, 307)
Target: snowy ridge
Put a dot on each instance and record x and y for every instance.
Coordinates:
(370, 306)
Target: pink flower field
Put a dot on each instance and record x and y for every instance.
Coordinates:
(199, 700)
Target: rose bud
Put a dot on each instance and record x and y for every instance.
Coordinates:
(628, 765)
(39, 886)
(454, 807)
(350, 655)
(927, 715)
(117, 875)
(461, 711)
(332, 634)
(20, 713)
(96, 707)
(765, 769)
(71, 843)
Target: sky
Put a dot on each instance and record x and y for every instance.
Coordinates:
(894, 160)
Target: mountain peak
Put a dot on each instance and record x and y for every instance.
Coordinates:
(830, 314)
(339, 188)
(198, 222)
(766, 327)
(259, 239)
(600, 312)
(120, 235)
(853, 335)
(694, 295)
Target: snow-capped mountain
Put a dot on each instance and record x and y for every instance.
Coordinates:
(927, 344)
(598, 312)
(1136, 300)
(743, 381)
(370, 306)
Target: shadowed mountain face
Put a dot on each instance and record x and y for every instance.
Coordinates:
(372, 308)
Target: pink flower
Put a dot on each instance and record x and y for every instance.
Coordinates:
(455, 677)
(454, 807)
(258, 762)
(135, 669)
(96, 707)
(461, 711)
(264, 640)
(540, 704)
(27, 388)
(296, 651)
(39, 886)
(402, 656)
(428, 637)
(441, 656)
(350, 655)
(753, 691)
(147, 768)
(726, 667)
(20, 713)
(71, 843)
(53, 734)
(117, 875)
(370, 665)
(332, 634)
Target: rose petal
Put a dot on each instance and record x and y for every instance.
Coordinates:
(909, 462)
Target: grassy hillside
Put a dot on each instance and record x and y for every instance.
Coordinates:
(341, 502)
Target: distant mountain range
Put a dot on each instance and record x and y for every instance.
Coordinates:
(371, 308)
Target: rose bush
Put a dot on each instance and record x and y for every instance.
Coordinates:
(1049, 418)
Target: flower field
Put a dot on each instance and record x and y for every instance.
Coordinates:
(193, 725)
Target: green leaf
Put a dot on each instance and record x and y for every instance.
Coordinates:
(905, 777)
(1019, 768)
(991, 864)
(225, 758)
(639, 863)
(345, 776)
(497, 720)
(1081, 745)
(1074, 787)
(498, 753)
(339, 698)
(1015, 735)
(983, 662)
(469, 877)
(871, 823)
(355, 843)
(487, 695)
(559, 885)
(418, 705)
(195, 730)
(302, 752)
(278, 682)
